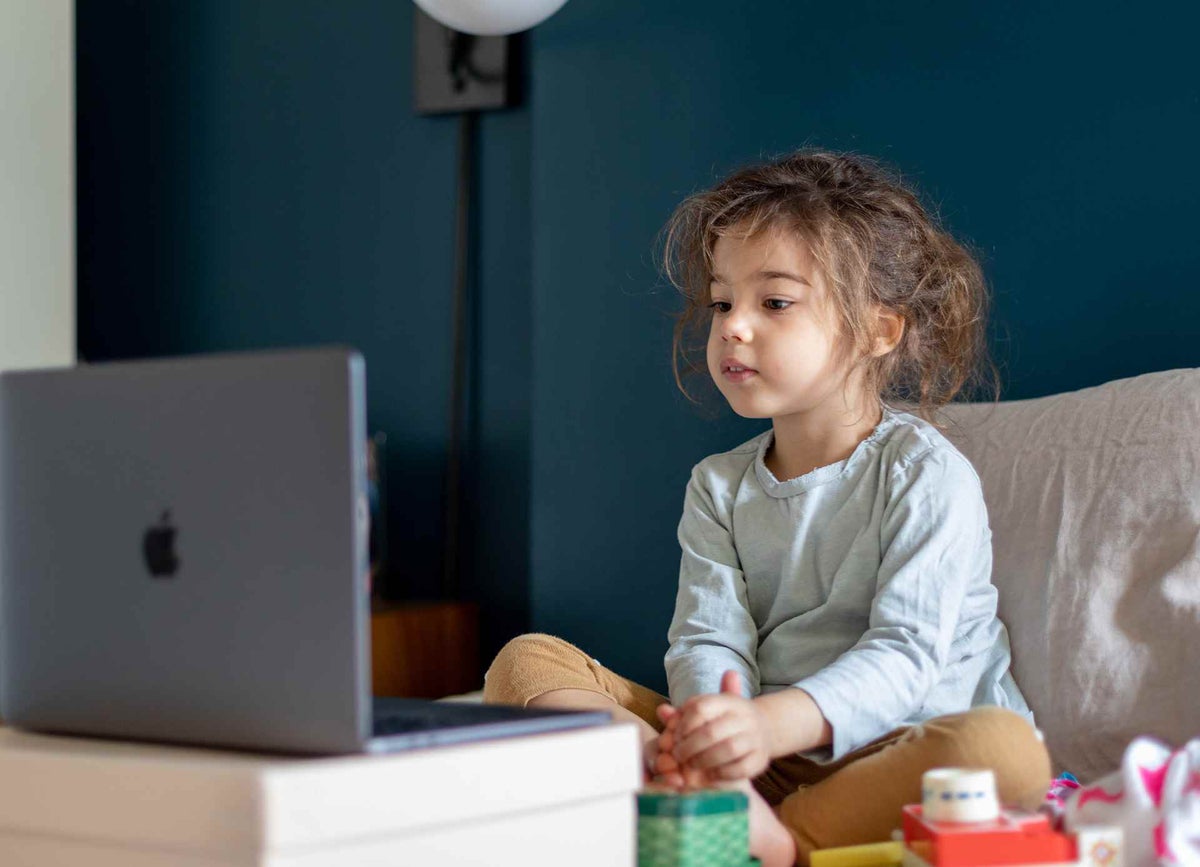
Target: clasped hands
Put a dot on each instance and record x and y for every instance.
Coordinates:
(710, 739)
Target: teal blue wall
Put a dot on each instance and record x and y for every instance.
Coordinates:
(1054, 136)
(251, 174)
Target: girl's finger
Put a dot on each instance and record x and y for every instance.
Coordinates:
(709, 708)
(695, 779)
(731, 683)
(673, 779)
(704, 736)
(722, 753)
(697, 703)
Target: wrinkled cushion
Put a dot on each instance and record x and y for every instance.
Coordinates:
(1094, 502)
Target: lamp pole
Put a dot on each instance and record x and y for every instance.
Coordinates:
(466, 72)
(458, 389)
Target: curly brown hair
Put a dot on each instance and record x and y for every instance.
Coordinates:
(876, 244)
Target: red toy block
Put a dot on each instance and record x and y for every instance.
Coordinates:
(1014, 838)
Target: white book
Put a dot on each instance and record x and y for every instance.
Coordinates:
(541, 799)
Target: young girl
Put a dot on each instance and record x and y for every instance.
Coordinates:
(835, 631)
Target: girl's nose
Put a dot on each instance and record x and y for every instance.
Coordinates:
(735, 327)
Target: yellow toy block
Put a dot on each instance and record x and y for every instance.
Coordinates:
(870, 855)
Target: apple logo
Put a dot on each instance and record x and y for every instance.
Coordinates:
(158, 547)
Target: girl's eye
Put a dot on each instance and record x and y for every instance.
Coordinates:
(777, 304)
(719, 306)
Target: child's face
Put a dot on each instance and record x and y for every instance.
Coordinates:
(772, 315)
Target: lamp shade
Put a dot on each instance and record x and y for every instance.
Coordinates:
(490, 17)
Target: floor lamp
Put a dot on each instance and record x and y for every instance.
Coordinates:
(466, 61)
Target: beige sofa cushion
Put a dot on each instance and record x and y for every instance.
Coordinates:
(1094, 503)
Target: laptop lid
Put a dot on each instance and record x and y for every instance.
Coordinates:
(183, 550)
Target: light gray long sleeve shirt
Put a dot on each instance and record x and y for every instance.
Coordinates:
(866, 583)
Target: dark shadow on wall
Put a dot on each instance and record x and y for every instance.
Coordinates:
(252, 175)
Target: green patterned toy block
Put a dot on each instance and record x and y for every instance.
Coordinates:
(697, 829)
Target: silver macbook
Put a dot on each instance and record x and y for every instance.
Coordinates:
(183, 558)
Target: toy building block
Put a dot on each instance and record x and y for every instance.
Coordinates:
(869, 855)
(708, 828)
(1012, 838)
(960, 824)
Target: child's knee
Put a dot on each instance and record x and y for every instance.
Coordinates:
(520, 668)
(995, 738)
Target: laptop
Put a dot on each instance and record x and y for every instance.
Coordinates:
(183, 559)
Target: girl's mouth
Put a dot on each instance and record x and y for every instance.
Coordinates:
(736, 372)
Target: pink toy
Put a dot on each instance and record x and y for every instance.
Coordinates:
(1154, 797)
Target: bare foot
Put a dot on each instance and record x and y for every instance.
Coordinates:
(770, 841)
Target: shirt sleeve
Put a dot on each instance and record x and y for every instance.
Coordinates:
(712, 630)
(934, 541)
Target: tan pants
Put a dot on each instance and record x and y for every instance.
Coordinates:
(856, 799)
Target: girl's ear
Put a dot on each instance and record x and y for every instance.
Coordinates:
(889, 328)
